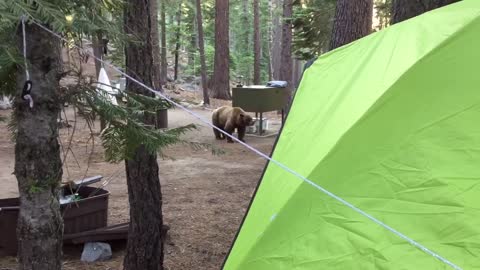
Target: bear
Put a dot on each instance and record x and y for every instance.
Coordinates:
(228, 119)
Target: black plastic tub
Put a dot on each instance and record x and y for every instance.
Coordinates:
(88, 213)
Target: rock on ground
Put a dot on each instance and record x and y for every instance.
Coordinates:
(96, 251)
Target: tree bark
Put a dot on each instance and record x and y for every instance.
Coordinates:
(193, 40)
(256, 42)
(245, 45)
(98, 53)
(164, 66)
(221, 71)
(353, 20)
(177, 42)
(38, 166)
(405, 9)
(276, 49)
(246, 23)
(201, 47)
(270, 41)
(156, 48)
(145, 242)
(286, 55)
(297, 72)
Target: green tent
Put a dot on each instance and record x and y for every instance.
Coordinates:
(391, 124)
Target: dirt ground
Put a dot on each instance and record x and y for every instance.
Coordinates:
(205, 196)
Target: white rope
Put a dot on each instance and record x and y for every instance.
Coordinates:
(28, 84)
(284, 167)
(27, 75)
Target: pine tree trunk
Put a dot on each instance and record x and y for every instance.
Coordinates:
(98, 53)
(270, 41)
(145, 243)
(286, 55)
(353, 20)
(221, 71)
(256, 42)
(246, 23)
(201, 47)
(164, 66)
(405, 9)
(246, 41)
(156, 49)
(276, 41)
(38, 166)
(177, 41)
(297, 72)
(193, 41)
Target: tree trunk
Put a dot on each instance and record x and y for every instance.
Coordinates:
(38, 166)
(201, 47)
(193, 41)
(256, 42)
(297, 72)
(177, 42)
(156, 48)
(405, 9)
(270, 41)
(276, 41)
(246, 23)
(286, 52)
(286, 55)
(145, 243)
(221, 71)
(164, 66)
(247, 78)
(353, 20)
(98, 53)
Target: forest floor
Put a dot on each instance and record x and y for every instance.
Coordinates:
(205, 196)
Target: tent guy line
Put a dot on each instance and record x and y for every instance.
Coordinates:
(281, 165)
(27, 74)
(28, 83)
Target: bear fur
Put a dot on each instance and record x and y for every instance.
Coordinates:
(228, 119)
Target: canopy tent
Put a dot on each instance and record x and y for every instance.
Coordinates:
(391, 124)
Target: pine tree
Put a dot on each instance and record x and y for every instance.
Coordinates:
(201, 48)
(38, 166)
(256, 42)
(312, 22)
(145, 243)
(163, 50)
(177, 39)
(221, 73)
(406, 9)
(286, 56)
(353, 20)
(157, 56)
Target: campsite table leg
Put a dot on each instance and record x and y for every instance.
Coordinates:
(260, 127)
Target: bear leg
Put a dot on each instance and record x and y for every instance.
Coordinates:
(229, 129)
(241, 133)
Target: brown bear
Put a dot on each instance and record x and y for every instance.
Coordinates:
(228, 119)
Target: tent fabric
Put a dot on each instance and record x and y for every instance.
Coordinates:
(391, 124)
